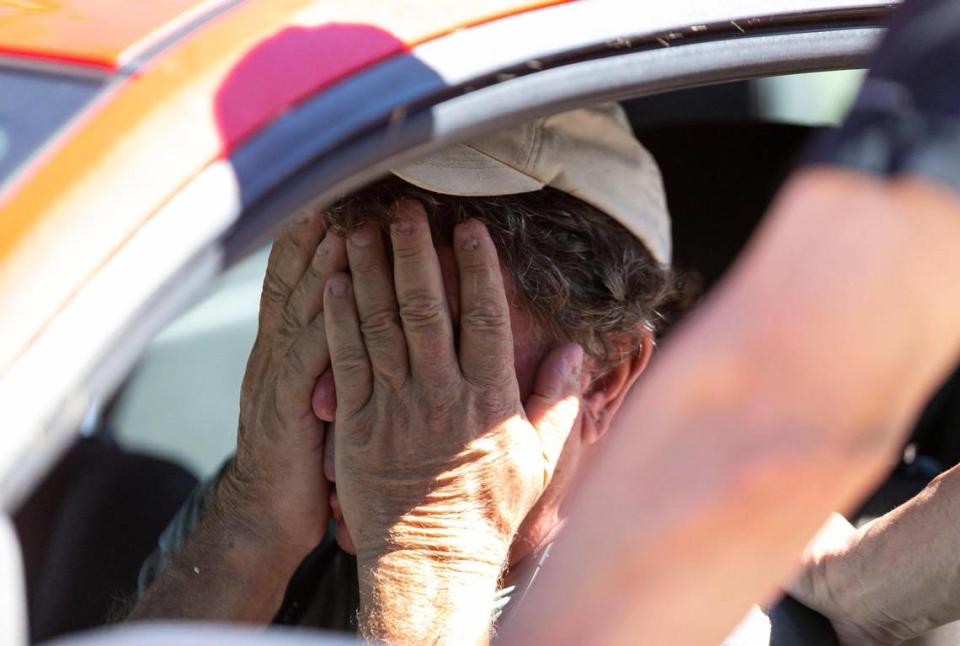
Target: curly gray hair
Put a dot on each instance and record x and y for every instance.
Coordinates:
(582, 276)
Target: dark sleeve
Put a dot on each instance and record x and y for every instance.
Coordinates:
(174, 537)
(323, 591)
(906, 119)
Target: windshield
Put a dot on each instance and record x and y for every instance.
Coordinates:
(33, 105)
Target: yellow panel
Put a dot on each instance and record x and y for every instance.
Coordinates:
(88, 31)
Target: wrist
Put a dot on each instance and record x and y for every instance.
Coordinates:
(454, 534)
(426, 595)
(453, 512)
(431, 578)
(856, 611)
(251, 523)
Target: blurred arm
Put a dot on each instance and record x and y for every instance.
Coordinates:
(787, 395)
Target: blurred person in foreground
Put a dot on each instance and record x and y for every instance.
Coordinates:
(485, 312)
(789, 394)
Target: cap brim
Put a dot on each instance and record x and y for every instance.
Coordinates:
(465, 171)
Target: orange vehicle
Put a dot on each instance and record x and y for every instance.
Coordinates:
(146, 148)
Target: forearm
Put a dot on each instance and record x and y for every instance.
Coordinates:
(228, 570)
(785, 397)
(672, 541)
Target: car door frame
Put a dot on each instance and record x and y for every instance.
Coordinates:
(437, 93)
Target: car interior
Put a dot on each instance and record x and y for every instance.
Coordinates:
(96, 517)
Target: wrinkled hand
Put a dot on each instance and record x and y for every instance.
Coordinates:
(275, 485)
(820, 591)
(434, 450)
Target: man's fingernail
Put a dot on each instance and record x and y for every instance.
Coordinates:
(405, 223)
(403, 226)
(362, 237)
(470, 243)
(324, 247)
(338, 286)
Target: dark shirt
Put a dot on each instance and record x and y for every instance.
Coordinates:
(906, 119)
(324, 591)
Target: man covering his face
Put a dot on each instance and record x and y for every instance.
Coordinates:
(394, 284)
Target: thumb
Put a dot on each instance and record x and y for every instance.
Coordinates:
(324, 399)
(833, 535)
(809, 587)
(554, 406)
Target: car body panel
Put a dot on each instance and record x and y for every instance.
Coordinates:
(206, 94)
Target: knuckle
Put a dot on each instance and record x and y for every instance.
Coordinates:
(289, 320)
(365, 263)
(351, 358)
(296, 223)
(478, 267)
(275, 291)
(285, 231)
(485, 315)
(408, 250)
(421, 308)
(442, 399)
(379, 323)
(296, 242)
(391, 377)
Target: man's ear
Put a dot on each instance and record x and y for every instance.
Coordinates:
(605, 394)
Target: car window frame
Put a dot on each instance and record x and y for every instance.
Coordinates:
(237, 217)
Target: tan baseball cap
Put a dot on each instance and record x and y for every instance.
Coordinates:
(589, 153)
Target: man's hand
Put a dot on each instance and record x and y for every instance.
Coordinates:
(276, 484)
(893, 579)
(437, 462)
(271, 505)
(817, 589)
